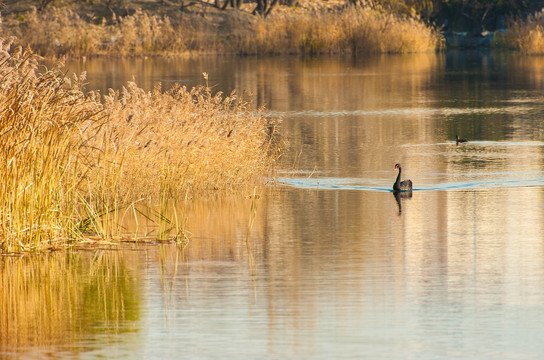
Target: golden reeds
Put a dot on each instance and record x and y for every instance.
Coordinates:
(525, 35)
(353, 30)
(75, 164)
(294, 30)
(42, 118)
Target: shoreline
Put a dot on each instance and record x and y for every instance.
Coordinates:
(144, 28)
(66, 32)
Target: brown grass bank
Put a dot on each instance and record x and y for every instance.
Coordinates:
(310, 28)
(74, 164)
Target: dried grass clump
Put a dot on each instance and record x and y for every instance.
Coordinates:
(60, 31)
(184, 140)
(352, 30)
(71, 162)
(294, 31)
(525, 35)
(144, 34)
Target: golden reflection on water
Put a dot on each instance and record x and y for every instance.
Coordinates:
(57, 299)
(212, 226)
(533, 65)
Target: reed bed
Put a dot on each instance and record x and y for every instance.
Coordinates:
(525, 35)
(295, 30)
(353, 30)
(74, 164)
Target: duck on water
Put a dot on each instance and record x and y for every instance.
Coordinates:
(459, 140)
(405, 185)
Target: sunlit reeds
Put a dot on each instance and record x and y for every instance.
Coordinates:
(42, 123)
(76, 164)
(295, 30)
(353, 30)
(525, 35)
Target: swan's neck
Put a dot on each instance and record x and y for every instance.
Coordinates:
(398, 178)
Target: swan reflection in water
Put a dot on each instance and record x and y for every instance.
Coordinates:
(399, 196)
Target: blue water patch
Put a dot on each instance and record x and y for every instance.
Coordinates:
(377, 185)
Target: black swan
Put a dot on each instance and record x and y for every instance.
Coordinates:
(405, 185)
(459, 140)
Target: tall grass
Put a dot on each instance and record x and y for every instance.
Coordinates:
(353, 30)
(294, 30)
(525, 35)
(74, 164)
(42, 123)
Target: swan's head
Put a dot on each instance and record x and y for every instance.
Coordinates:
(397, 166)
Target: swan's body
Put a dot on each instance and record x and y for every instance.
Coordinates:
(459, 140)
(405, 185)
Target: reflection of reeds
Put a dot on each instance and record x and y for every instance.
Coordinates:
(74, 165)
(55, 298)
(219, 227)
(252, 216)
(304, 29)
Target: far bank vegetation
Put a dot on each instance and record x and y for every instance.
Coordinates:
(525, 35)
(55, 28)
(120, 28)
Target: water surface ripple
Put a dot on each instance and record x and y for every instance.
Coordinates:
(380, 185)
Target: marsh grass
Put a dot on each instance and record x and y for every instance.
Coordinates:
(525, 35)
(76, 165)
(352, 30)
(41, 119)
(305, 29)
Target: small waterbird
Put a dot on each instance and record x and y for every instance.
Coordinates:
(459, 140)
(405, 185)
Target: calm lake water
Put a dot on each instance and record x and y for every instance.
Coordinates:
(331, 265)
